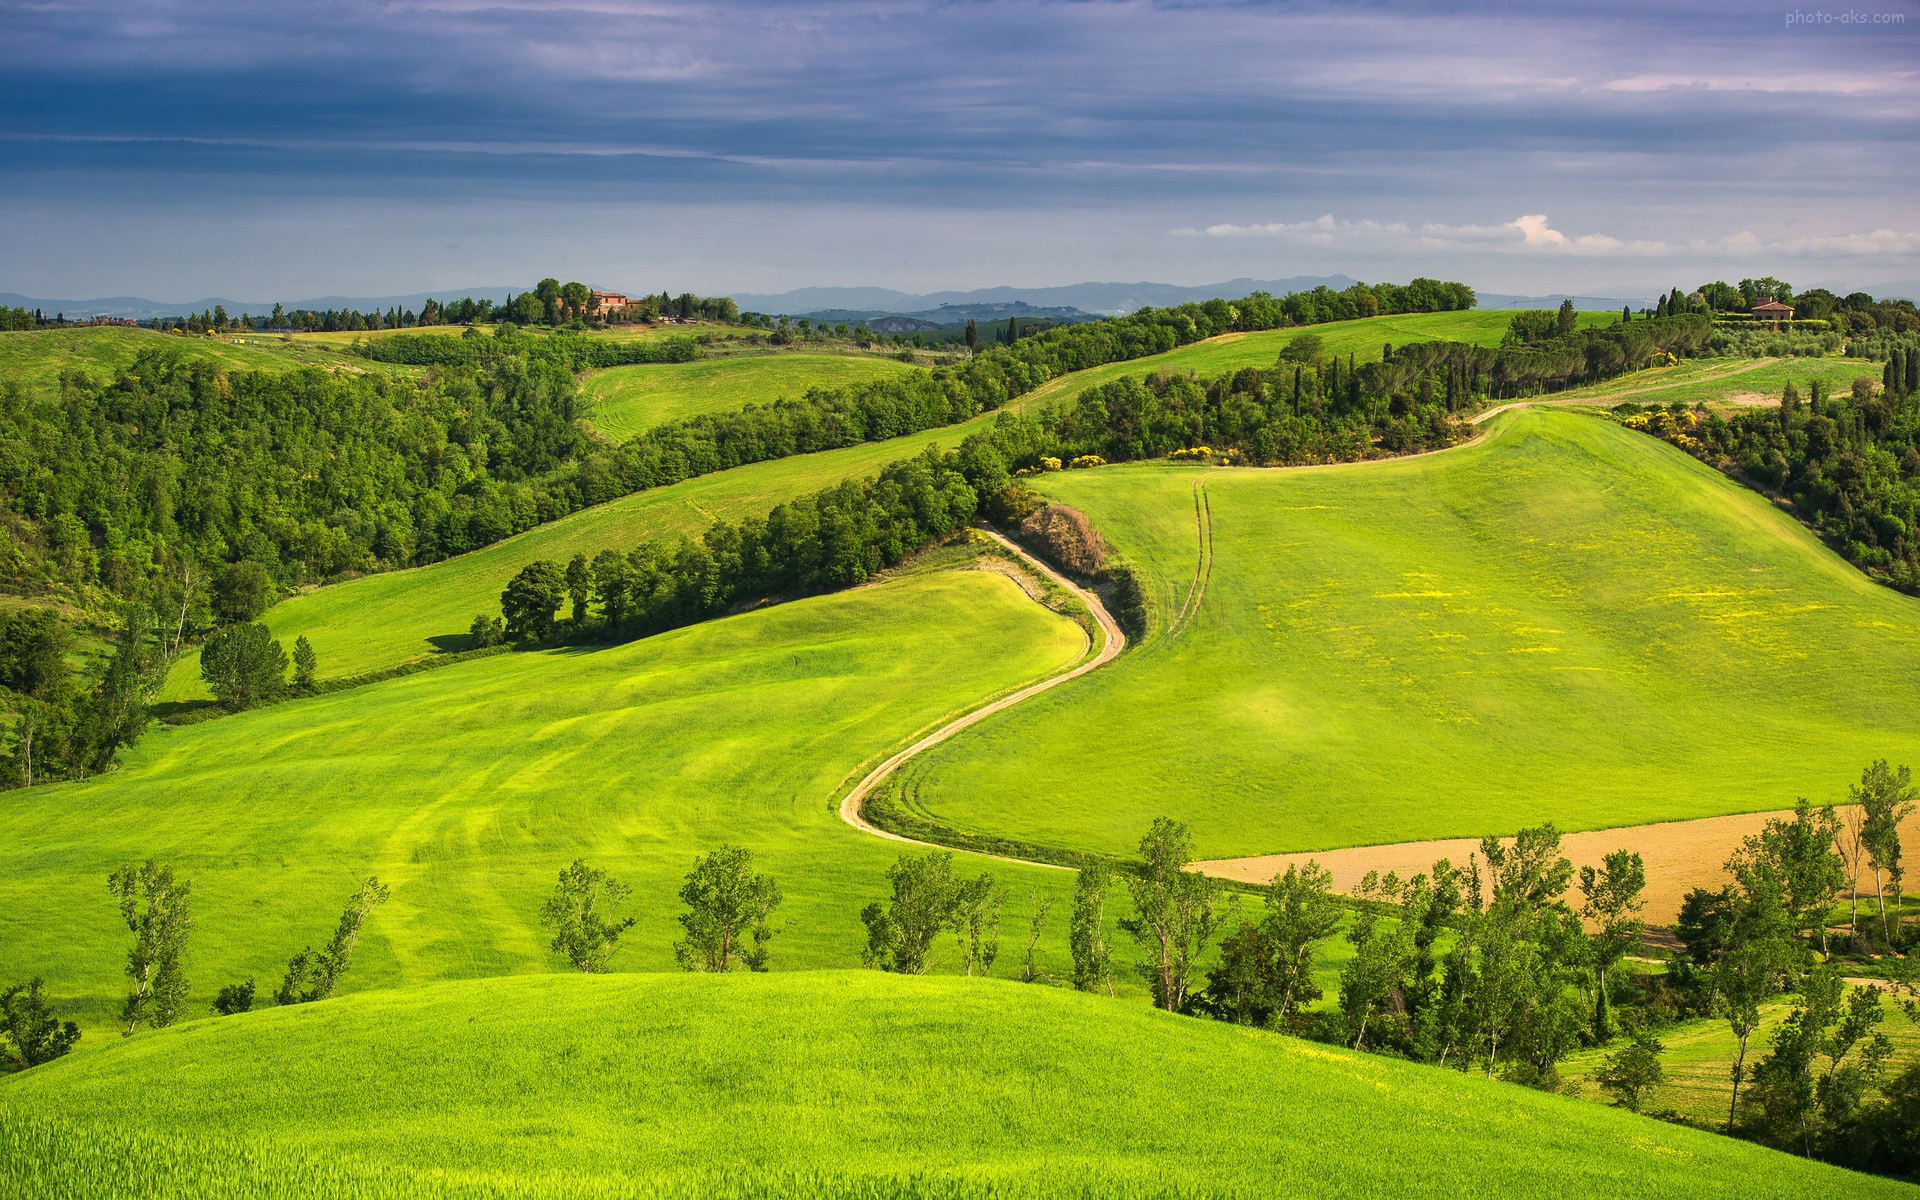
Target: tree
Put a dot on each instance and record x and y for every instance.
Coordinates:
(157, 911)
(305, 667)
(1563, 320)
(113, 714)
(1036, 925)
(579, 587)
(973, 336)
(1886, 798)
(486, 631)
(581, 914)
(1612, 895)
(547, 291)
(241, 592)
(1087, 933)
(612, 586)
(926, 898)
(975, 920)
(30, 1034)
(1748, 975)
(1301, 913)
(244, 665)
(531, 599)
(575, 297)
(1630, 1071)
(1800, 861)
(234, 998)
(1175, 911)
(727, 904)
(312, 975)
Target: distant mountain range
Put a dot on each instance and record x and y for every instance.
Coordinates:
(1098, 299)
(141, 309)
(1079, 301)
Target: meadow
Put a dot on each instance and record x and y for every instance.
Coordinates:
(35, 358)
(1698, 1062)
(1561, 621)
(1723, 381)
(628, 400)
(855, 1084)
(381, 621)
(468, 788)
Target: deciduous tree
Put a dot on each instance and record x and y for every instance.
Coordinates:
(1174, 911)
(30, 1033)
(581, 913)
(312, 975)
(157, 911)
(1087, 935)
(727, 906)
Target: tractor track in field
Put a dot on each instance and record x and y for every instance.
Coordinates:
(1115, 642)
(1203, 565)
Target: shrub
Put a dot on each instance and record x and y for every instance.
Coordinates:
(234, 998)
(487, 631)
(1087, 460)
(1066, 536)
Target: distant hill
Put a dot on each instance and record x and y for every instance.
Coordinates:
(947, 316)
(1100, 299)
(141, 309)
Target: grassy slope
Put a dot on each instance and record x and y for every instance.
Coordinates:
(1363, 339)
(37, 357)
(1038, 1091)
(467, 788)
(1699, 1057)
(1563, 621)
(1713, 380)
(383, 620)
(628, 400)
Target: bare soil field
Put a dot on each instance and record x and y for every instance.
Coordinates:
(1679, 855)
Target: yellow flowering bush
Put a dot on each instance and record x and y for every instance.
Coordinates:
(1085, 460)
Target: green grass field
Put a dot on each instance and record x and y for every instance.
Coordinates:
(629, 400)
(868, 1085)
(468, 788)
(36, 358)
(1698, 1062)
(1563, 621)
(1364, 339)
(1716, 381)
(380, 621)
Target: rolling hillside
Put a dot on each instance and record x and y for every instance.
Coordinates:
(1563, 620)
(628, 400)
(468, 788)
(383, 620)
(857, 1084)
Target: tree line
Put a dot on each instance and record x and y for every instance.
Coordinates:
(575, 350)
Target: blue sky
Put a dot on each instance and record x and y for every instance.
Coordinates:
(272, 149)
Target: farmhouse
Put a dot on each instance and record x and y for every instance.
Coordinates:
(1772, 310)
(599, 304)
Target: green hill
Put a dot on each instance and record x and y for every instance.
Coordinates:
(1563, 621)
(627, 400)
(468, 788)
(858, 1084)
(35, 358)
(380, 621)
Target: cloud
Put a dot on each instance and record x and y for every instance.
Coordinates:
(1530, 233)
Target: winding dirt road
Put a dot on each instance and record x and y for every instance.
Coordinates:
(1115, 642)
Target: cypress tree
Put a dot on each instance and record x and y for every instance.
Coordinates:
(1660, 309)
(1013, 330)
(1913, 372)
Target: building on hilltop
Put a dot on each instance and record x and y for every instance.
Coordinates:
(1772, 310)
(604, 304)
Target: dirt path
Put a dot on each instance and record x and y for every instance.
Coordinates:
(1116, 641)
(1609, 397)
(1679, 855)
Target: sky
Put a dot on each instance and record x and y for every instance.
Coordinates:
(266, 150)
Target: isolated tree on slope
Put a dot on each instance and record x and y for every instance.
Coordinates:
(580, 913)
(244, 665)
(926, 899)
(29, 1032)
(727, 905)
(156, 909)
(312, 975)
